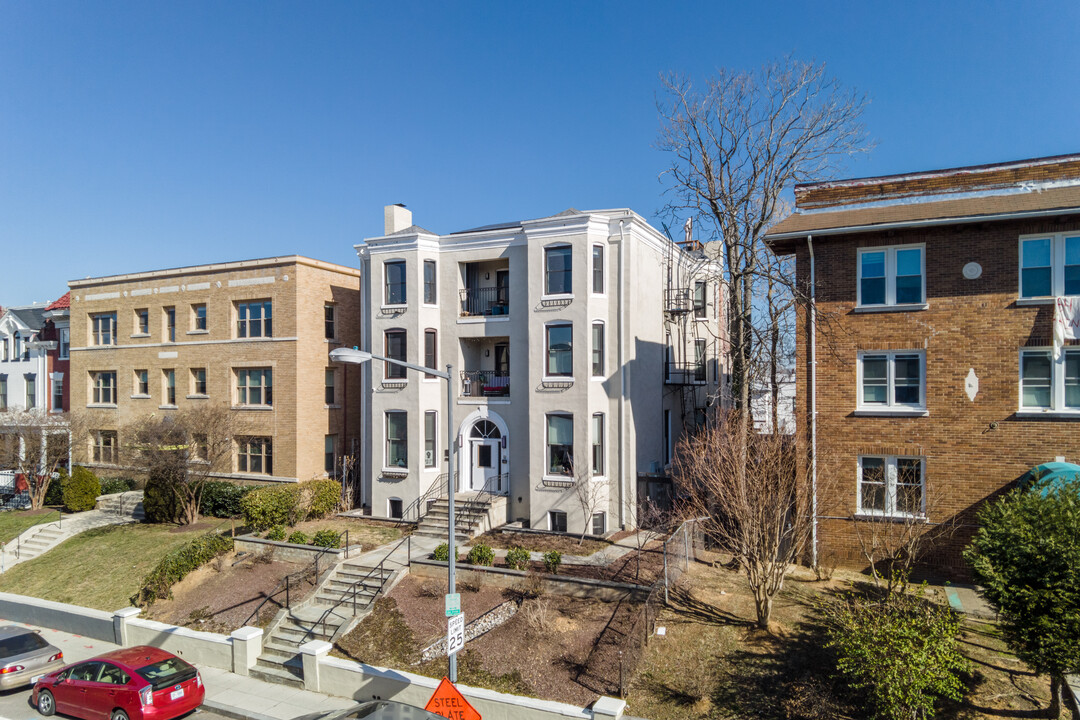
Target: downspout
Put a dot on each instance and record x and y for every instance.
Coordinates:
(813, 408)
(622, 377)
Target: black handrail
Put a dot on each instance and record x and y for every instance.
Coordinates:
(485, 301)
(359, 583)
(287, 582)
(419, 505)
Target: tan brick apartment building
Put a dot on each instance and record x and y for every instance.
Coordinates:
(927, 380)
(253, 334)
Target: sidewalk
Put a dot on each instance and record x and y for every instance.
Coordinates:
(236, 696)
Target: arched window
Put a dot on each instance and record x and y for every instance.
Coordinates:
(485, 429)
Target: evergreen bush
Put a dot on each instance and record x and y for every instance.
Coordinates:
(326, 538)
(442, 553)
(289, 504)
(222, 499)
(517, 558)
(480, 554)
(276, 533)
(297, 538)
(159, 501)
(552, 561)
(81, 490)
(112, 486)
(178, 563)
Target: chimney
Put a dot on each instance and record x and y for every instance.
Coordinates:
(395, 218)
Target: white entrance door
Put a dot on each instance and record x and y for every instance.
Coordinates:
(485, 464)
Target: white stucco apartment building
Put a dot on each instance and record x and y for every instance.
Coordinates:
(582, 345)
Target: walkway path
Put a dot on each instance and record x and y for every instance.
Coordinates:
(118, 509)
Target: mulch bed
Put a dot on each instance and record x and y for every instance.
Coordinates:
(625, 569)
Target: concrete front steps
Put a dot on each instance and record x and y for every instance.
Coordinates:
(128, 504)
(326, 615)
(468, 524)
(37, 540)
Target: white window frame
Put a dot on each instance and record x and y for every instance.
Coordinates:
(593, 349)
(194, 375)
(432, 439)
(265, 454)
(1057, 264)
(98, 389)
(548, 446)
(891, 474)
(64, 351)
(434, 264)
(890, 407)
(547, 351)
(1057, 382)
(387, 467)
(890, 276)
(598, 443)
(603, 270)
(98, 334)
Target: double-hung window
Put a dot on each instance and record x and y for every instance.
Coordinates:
(102, 329)
(255, 455)
(430, 351)
(329, 396)
(700, 302)
(891, 485)
(891, 276)
(142, 382)
(169, 386)
(430, 297)
(329, 329)
(3, 392)
(198, 381)
(598, 349)
(1048, 385)
(1050, 265)
(395, 283)
(598, 444)
(892, 380)
(395, 350)
(65, 343)
(104, 447)
(397, 445)
(560, 350)
(31, 390)
(170, 324)
(598, 269)
(254, 319)
(198, 317)
(57, 392)
(560, 444)
(255, 387)
(104, 384)
(558, 268)
(142, 321)
(329, 456)
(430, 430)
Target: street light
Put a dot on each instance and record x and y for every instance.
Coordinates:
(357, 356)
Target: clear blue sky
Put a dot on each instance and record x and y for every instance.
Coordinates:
(143, 135)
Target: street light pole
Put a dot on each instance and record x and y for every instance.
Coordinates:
(359, 357)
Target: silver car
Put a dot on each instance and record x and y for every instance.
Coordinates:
(24, 655)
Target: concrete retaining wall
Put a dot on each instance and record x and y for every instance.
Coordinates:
(95, 624)
(288, 552)
(555, 584)
(201, 648)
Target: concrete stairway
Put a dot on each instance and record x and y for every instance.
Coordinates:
(127, 504)
(37, 540)
(467, 523)
(320, 617)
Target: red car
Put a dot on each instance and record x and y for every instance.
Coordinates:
(139, 683)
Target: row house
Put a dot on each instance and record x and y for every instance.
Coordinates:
(928, 376)
(33, 357)
(253, 336)
(582, 344)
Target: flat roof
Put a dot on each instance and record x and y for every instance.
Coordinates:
(217, 267)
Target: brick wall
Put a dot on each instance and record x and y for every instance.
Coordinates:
(973, 450)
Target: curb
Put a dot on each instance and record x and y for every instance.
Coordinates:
(233, 712)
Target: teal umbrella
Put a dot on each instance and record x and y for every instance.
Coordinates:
(1050, 475)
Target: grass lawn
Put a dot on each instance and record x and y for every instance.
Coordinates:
(99, 568)
(14, 522)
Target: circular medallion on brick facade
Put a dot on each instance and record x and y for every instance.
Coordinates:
(972, 271)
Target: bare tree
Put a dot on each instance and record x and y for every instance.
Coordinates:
(36, 444)
(590, 496)
(737, 146)
(764, 520)
(183, 450)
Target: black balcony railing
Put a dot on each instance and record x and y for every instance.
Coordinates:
(485, 301)
(484, 383)
(685, 373)
(678, 300)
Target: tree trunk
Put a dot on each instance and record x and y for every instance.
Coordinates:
(1056, 686)
(763, 609)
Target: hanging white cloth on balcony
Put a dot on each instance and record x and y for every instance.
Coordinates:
(1066, 322)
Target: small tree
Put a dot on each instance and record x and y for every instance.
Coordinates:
(36, 444)
(590, 496)
(181, 451)
(1026, 556)
(762, 517)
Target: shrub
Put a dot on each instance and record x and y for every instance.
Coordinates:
(112, 486)
(552, 561)
(178, 563)
(902, 652)
(326, 538)
(81, 490)
(442, 553)
(276, 533)
(55, 494)
(159, 501)
(297, 538)
(517, 558)
(480, 554)
(222, 499)
(289, 504)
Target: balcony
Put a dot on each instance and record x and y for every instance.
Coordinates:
(678, 300)
(484, 383)
(487, 301)
(676, 373)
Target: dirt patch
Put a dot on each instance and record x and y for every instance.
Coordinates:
(220, 596)
(537, 542)
(638, 567)
(199, 527)
(554, 648)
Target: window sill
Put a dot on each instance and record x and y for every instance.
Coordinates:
(891, 308)
(558, 481)
(198, 332)
(197, 397)
(333, 341)
(557, 297)
(393, 308)
(255, 408)
(102, 406)
(395, 382)
(1035, 301)
(897, 518)
(873, 412)
(332, 407)
(167, 407)
(429, 305)
(1062, 414)
(139, 397)
(395, 474)
(140, 335)
(598, 378)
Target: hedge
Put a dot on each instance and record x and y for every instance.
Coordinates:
(222, 499)
(178, 563)
(81, 490)
(289, 504)
(159, 501)
(112, 486)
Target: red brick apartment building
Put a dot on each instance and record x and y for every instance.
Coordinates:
(927, 378)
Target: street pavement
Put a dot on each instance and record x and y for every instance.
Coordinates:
(227, 695)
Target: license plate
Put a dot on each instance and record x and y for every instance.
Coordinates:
(176, 694)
